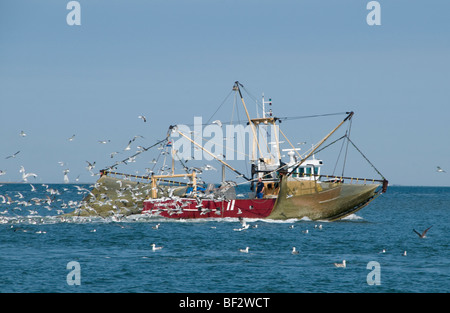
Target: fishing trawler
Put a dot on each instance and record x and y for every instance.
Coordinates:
(276, 189)
(295, 189)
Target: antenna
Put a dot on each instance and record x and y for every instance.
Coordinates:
(264, 106)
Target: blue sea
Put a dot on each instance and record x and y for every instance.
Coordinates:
(39, 247)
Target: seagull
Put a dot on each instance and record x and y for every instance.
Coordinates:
(218, 122)
(71, 138)
(404, 253)
(137, 136)
(440, 170)
(128, 146)
(26, 175)
(12, 156)
(104, 141)
(244, 250)
(294, 250)
(90, 165)
(142, 117)
(423, 234)
(156, 226)
(154, 247)
(208, 167)
(244, 225)
(2, 172)
(22, 134)
(66, 178)
(343, 264)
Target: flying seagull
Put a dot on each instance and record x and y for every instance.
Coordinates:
(90, 165)
(218, 122)
(12, 156)
(128, 146)
(26, 175)
(66, 178)
(440, 170)
(22, 134)
(423, 234)
(142, 117)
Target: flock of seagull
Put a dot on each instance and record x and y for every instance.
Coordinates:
(16, 202)
(294, 251)
(90, 165)
(47, 201)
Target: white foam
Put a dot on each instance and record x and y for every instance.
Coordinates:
(352, 217)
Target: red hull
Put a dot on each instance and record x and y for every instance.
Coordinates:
(185, 208)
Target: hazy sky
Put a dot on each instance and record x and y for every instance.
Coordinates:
(173, 60)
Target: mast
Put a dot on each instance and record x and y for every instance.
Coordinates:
(250, 121)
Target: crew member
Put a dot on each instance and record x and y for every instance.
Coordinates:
(260, 189)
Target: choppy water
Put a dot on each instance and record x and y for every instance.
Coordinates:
(36, 244)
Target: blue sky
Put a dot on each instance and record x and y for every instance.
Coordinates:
(173, 60)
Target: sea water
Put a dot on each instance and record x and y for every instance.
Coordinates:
(41, 250)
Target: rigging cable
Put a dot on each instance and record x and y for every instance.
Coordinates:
(349, 130)
(366, 159)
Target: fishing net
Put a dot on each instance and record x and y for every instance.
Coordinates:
(111, 196)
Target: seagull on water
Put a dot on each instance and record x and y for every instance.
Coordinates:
(423, 234)
(343, 264)
(244, 250)
(294, 250)
(154, 247)
(156, 226)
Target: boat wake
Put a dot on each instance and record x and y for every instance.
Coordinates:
(135, 218)
(353, 217)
